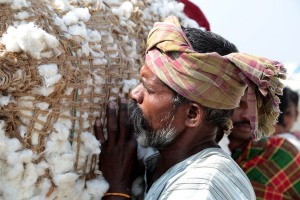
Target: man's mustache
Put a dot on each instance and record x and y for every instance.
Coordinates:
(136, 116)
(243, 122)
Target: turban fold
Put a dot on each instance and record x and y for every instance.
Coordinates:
(213, 80)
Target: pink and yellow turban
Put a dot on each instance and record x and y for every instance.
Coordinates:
(213, 80)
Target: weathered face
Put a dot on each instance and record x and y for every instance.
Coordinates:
(241, 121)
(153, 111)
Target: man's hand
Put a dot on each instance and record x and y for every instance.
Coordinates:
(118, 157)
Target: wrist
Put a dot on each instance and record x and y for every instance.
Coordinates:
(119, 188)
(115, 196)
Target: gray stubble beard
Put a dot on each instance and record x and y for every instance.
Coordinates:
(147, 137)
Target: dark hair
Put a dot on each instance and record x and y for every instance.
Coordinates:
(288, 96)
(207, 42)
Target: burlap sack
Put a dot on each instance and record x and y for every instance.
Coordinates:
(47, 119)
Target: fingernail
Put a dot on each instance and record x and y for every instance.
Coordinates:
(98, 122)
(123, 100)
(112, 105)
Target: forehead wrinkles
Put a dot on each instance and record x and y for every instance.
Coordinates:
(148, 78)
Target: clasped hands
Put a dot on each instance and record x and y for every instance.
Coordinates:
(118, 157)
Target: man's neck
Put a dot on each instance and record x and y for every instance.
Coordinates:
(236, 144)
(175, 154)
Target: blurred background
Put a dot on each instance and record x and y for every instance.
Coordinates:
(268, 28)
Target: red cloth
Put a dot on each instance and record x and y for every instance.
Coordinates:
(194, 12)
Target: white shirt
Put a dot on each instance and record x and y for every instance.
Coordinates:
(209, 174)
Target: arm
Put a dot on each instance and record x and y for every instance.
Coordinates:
(118, 157)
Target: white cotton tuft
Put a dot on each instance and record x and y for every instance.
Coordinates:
(124, 11)
(25, 155)
(38, 125)
(13, 145)
(2, 149)
(78, 30)
(30, 39)
(66, 180)
(2, 127)
(97, 187)
(44, 185)
(94, 36)
(42, 105)
(57, 147)
(70, 18)
(129, 84)
(52, 80)
(43, 90)
(12, 158)
(61, 164)
(62, 131)
(85, 49)
(127, 9)
(41, 167)
(30, 175)
(69, 91)
(66, 122)
(23, 131)
(35, 135)
(89, 82)
(60, 22)
(99, 61)
(10, 41)
(63, 5)
(19, 4)
(15, 172)
(90, 144)
(48, 70)
(27, 192)
(5, 100)
(76, 191)
(22, 15)
(5, 1)
(83, 14)
(115, 90)
(85, 194)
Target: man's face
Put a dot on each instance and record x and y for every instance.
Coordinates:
(153, 111)
(241, 121)
(289, 117)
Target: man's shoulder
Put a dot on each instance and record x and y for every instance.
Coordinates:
(276, 144)
(213, 170)
(215, 162)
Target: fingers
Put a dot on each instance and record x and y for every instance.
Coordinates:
(112, 123)
(123, 120)
(99, 131)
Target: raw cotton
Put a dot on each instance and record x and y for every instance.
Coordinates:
(61, 61)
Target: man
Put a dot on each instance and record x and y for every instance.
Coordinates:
(272, 164)
(183, 100)
(288, 116)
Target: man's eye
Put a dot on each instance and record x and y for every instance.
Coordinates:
(149, 91)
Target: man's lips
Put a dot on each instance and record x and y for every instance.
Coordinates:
(242, 126)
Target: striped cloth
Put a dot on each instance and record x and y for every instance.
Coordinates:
(209, 174)
(216, 81)
(273, 167)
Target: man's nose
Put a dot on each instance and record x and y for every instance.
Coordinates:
(137, 94)
(245, 114)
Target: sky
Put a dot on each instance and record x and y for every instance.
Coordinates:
(268, 28)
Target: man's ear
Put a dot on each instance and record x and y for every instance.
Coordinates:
(195, 115)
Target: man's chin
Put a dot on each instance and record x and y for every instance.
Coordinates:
(242, 132)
